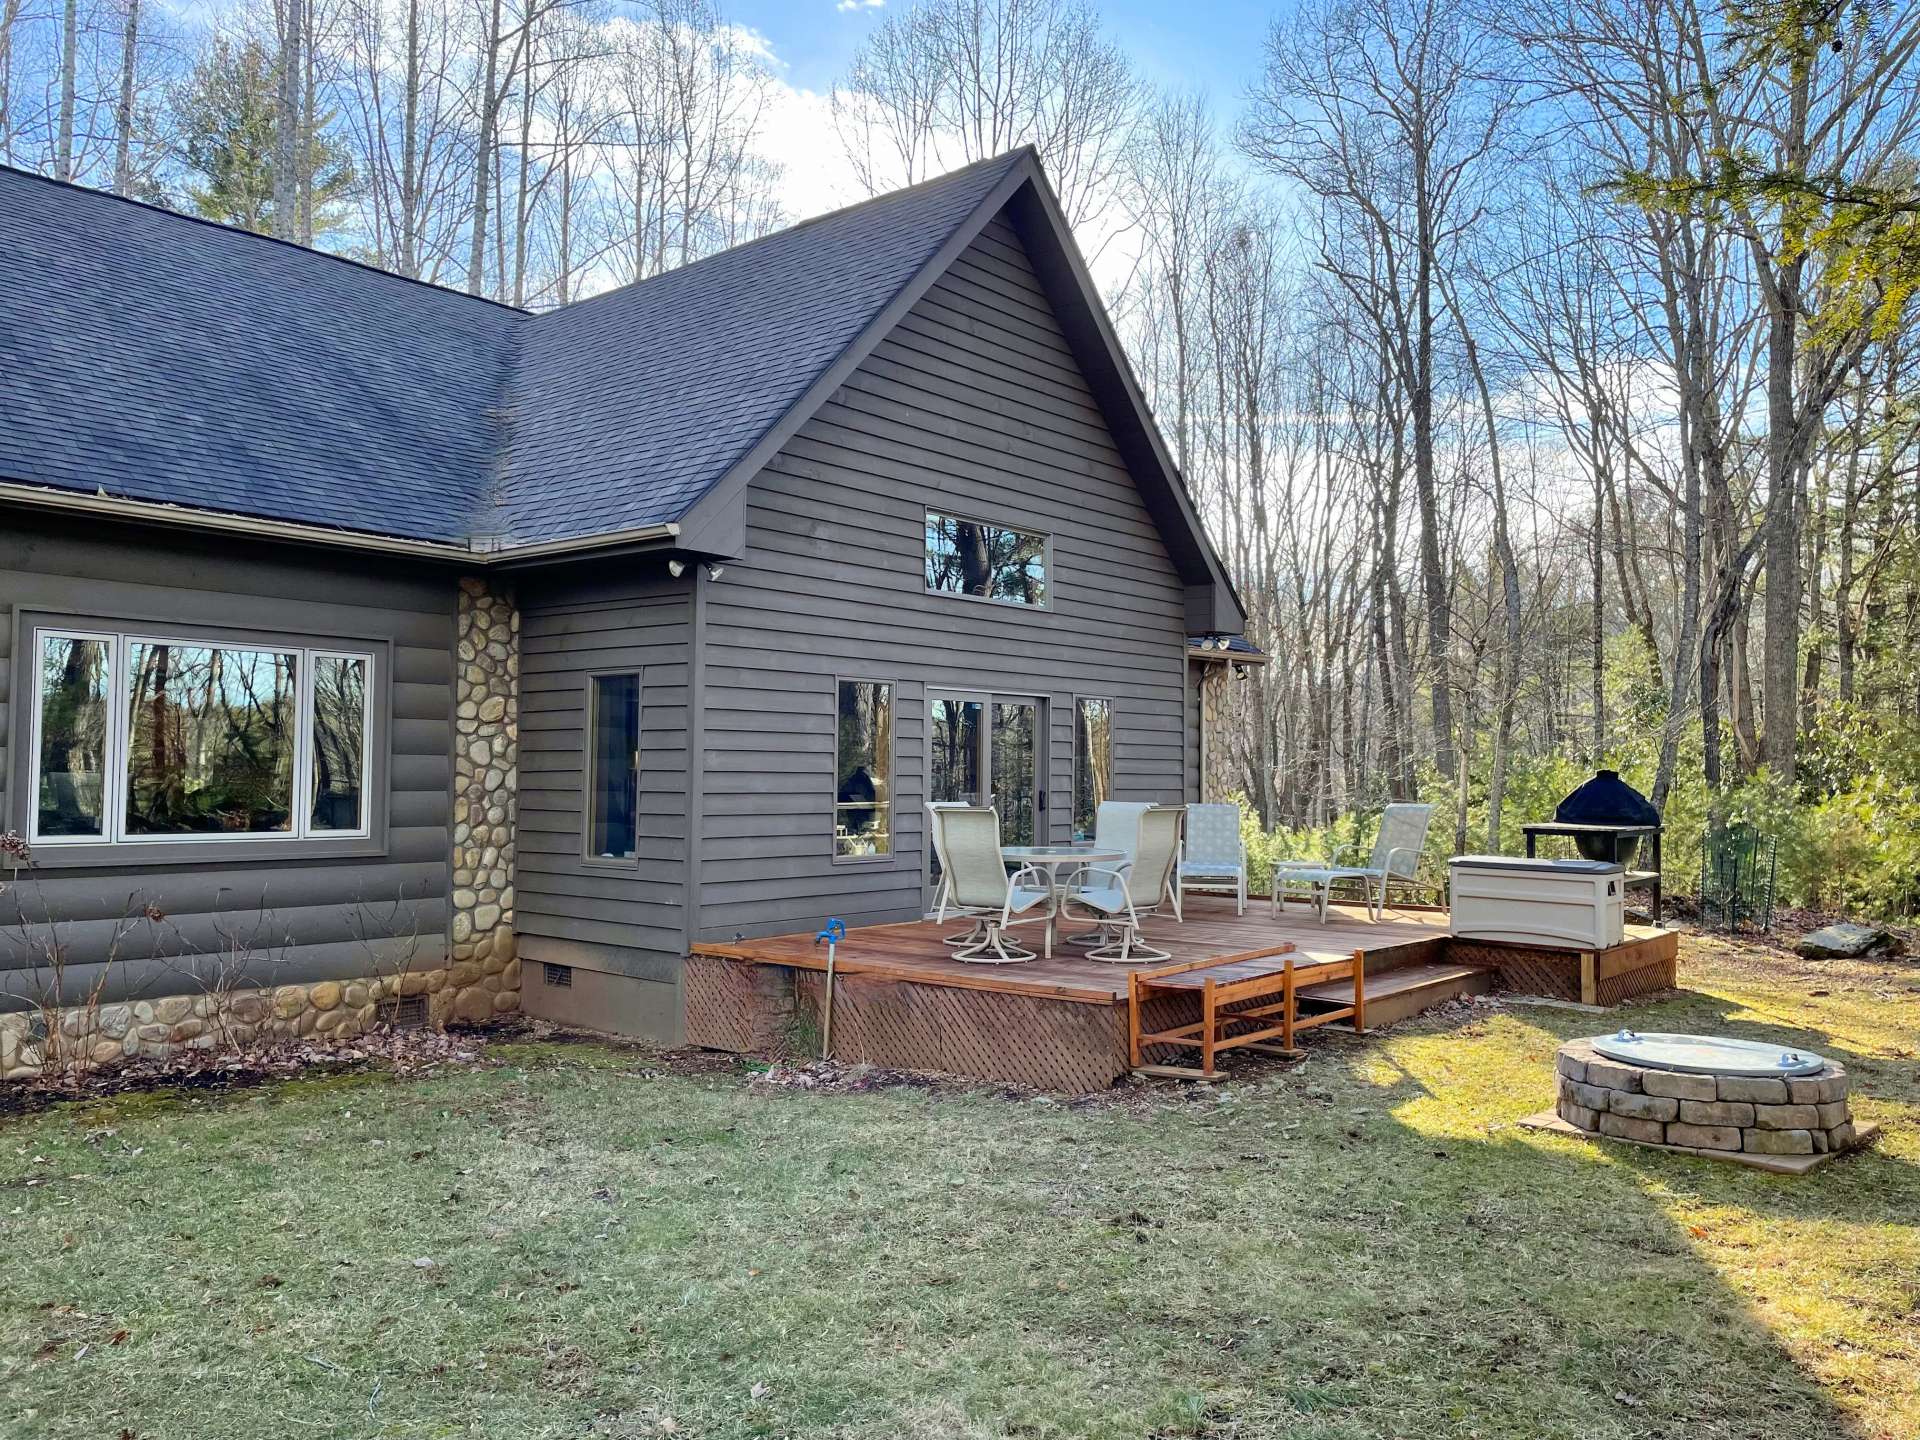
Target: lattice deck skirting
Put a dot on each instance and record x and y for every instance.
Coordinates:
(1059, 1025)
(1643, 965)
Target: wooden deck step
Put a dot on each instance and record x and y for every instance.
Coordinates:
(1395, 994)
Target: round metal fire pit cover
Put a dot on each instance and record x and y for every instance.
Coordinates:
(1707, 1054)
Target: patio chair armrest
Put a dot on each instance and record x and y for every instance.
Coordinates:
(1118, 872)
(1402, 850)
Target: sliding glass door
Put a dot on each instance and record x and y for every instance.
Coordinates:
(986, 749)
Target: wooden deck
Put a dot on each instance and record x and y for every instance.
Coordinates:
(900, 1000)
(1211, 931)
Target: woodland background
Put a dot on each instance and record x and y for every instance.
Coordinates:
(1545, 369)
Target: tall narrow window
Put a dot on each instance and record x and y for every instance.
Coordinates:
(76, 679)
(339, 742)
(863, 774)
(1092, 763)
(965, 557)
(613, 781)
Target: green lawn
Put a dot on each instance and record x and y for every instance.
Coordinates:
(1363, 1246)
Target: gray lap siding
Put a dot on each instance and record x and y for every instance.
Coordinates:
(624, 917)
(974, 406)
(307, 916)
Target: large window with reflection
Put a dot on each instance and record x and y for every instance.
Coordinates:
(1092, 762)
(140, 738)
(990, 562)
(863, 769)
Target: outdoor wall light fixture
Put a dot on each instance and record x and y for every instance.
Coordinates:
(676, 568)
(714, 572)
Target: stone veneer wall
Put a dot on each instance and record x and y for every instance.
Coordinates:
(1759, 1115)
(1217, 782)
(485, 973)
(236, 1020)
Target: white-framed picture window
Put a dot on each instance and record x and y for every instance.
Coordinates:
(141, 738)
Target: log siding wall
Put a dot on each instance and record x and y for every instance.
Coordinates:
(311, 916)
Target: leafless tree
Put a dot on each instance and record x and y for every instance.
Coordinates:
(950, 81)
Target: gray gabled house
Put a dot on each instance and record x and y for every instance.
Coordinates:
(352, 626)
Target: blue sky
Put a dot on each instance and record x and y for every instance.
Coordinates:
(1211, 44)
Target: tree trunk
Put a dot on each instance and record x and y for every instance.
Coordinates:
(286, 121)
(483, 157)
(9, 18)
(69, 83)
(1597, 616)
(304, 120)
(123, 115)
(410, 150)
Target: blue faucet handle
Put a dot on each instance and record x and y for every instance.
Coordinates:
(833, 934)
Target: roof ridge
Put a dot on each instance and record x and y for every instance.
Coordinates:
(1006, 157)
(222, 225)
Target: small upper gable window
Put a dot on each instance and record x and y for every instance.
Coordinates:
(990, 562)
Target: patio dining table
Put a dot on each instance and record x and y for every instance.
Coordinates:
(1054, 859)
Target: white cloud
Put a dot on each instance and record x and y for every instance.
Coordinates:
(846, 5)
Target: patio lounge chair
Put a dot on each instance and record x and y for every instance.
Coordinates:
(1214, 858)
(943, 896)
(979, 886)
(1118, 897)
(1396, 856)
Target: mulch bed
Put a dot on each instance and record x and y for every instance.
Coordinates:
(405, 1052)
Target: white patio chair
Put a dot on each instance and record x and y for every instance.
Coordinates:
(942, 896)
(1214, 858)
(1396, 856)
(1118, 897)
(1116, 826)
(981, 889)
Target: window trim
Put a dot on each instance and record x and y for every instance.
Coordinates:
(892, 857)
(1044, 536)
(117, 846)
(1080, 699)
(591, 682)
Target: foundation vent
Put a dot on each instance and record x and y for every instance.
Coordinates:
(410, 1013)
(560, 975)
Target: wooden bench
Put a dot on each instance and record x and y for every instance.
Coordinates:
(1240, 993)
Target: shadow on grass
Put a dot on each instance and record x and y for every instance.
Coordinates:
(1629, 1267)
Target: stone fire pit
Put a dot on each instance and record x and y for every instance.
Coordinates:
(1735, 1100)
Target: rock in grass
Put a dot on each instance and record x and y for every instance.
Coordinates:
(1845, 940)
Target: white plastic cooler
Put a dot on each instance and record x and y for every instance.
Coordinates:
(1560, 904)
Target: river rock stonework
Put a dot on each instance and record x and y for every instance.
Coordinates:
(33, 1042)
(1217, 775)
(484, 977)
(1724, 1114)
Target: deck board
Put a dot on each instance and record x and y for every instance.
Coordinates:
(1389, 983)
(913, 951)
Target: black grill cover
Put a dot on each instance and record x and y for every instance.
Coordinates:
(1606, 799)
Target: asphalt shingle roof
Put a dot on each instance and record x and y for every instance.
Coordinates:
(165, 359)
(629, 405)
(156, 357)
